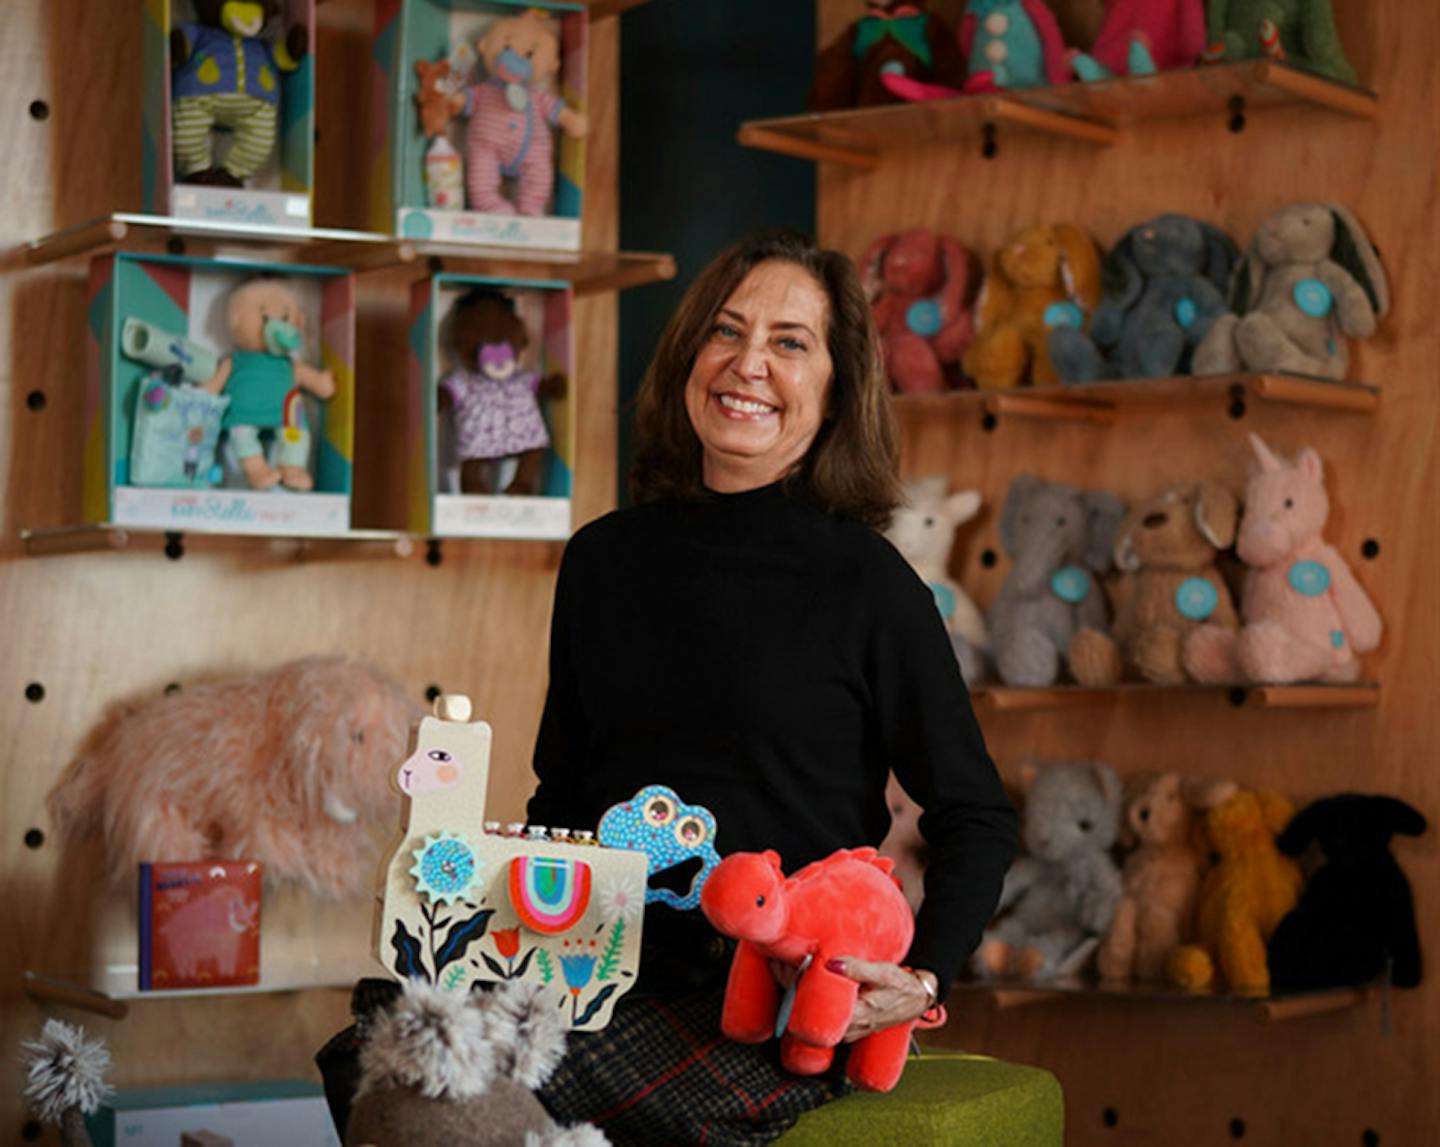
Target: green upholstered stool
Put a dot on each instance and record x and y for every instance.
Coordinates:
(944, 1098)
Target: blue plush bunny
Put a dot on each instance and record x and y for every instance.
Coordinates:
(1166, 283)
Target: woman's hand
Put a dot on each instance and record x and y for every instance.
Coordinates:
(889, 995)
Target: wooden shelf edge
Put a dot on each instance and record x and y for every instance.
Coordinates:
(1265, 1009)
(107, 536)
(1361, 696)
(49, 990)
(1052, 407)
(1297, 390)
(1277, 1010)
(1317, 89)
(1018, 699)
(798, 147)
(1007, 699)
(1003, 109)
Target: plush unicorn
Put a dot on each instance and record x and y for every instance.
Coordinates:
(1304, 615)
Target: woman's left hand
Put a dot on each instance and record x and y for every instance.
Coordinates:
(889, 995)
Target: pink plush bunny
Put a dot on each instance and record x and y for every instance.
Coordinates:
(1140, 37)
(1305, 617)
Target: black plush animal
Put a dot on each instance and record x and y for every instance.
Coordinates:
(1356, 913)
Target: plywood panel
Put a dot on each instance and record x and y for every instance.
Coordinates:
(91, 627)
(1175, 1074)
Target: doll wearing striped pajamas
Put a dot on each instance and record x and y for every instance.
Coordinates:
(231, 81)
(506, 142)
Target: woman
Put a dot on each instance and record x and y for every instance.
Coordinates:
(745, 636)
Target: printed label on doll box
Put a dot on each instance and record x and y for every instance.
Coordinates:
(502, 230)
(232, 511)
(501, 516)
(230, 205)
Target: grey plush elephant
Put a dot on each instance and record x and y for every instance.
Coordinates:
(1059, 538)
(1310, 280)
(1165, 285)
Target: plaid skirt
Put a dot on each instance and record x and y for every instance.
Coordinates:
(660, 1074)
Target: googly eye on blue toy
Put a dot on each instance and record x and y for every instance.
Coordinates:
(669, 832)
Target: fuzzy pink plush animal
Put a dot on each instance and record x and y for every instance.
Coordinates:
(1304, 615)
(289, 767)
(1139, 37)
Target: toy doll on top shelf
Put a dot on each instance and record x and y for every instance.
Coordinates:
(264, 377)
(225, 74)
(511, 113)
(495, 402)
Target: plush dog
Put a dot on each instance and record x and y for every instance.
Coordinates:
(1166, 549)
(1356, 918)
(459, 1069)
(1310, 281)
(896, 38)
(1162, 875)
(1242, 899)
(289, 767)
(1041, 278)
(1065, 891)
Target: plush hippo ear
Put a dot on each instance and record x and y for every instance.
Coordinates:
(1105, 513)
(1353, 250)
(773, 857)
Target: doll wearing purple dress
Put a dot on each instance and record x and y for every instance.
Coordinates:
(496, 412)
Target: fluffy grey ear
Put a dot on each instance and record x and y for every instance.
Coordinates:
(1354, 251)
(1220, 255)
(1245, 280)
(1122, 281)
(1022, 489)
(1105, 512)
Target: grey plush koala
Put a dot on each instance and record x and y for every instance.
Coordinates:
(1059, 537)
(1064, 892)
(1310, 280)
(1165, 285)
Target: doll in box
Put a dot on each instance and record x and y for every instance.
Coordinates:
(264, 376)
(226, 75)
(494, 401)
(512, 112)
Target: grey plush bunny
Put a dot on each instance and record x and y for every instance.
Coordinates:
(1310, 280)
(1063, 894)
(1165, 285)
(1059, 538)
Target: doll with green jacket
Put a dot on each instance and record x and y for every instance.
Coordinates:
(1299, 32)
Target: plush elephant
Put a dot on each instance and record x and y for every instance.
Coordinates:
(1060, 539)
(1310, 279)
(1300, 32)
(1165, 287)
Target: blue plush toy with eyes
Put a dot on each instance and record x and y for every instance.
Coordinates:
(657, 822)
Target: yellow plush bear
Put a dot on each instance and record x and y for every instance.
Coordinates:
(1243, 897)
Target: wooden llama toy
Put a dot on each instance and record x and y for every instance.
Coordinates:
(459, 902)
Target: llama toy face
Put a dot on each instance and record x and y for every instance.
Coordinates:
(429, 770)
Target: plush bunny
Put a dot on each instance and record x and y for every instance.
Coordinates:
(1242, 898)
(1162, 874)
(923, 530)
(1141, 37)
(1059, 538)
(290, 767)
(1166, 548)
(1305, 616)
(1300, 32)
(1064, 892)
(921, 288)
(1310, 280)
(459, 1069)
(1356, 917)
(1041, 278)
(1010, 44)
(1165, 285)
(894, 38)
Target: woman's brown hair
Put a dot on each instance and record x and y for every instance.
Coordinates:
(852, 467)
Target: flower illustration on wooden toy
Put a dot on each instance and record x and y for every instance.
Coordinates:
(445, 867)
(622, 896)
(577, 967)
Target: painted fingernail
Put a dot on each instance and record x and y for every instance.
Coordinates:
(836, 966)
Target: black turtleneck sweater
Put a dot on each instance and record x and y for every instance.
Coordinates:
(771, 662)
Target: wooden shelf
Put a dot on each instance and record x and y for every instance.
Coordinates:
(355, 544)
(591, 272)
(1007, 699)
(1086, 113)
(1104, 403)
(116, 1006)
(1264, 1009)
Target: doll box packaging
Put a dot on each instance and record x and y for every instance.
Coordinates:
(195, 424)
(277, 1113)
(199, 925)
(481, 105)
(228, 111)
(490, 416)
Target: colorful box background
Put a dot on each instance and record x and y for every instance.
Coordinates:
(278, 1113)
(409, 30)
(164, 290)
(274, 201)
(547, 311)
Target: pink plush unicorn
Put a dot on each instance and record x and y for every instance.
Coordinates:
(1305, 617)
(1141, 37)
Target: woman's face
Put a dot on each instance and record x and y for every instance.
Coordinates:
(761, 382)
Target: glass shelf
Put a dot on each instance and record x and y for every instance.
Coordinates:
(1007, 699)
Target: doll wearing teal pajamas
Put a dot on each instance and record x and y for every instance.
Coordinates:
(227, 76)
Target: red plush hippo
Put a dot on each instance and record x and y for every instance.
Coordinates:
(848, 904)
